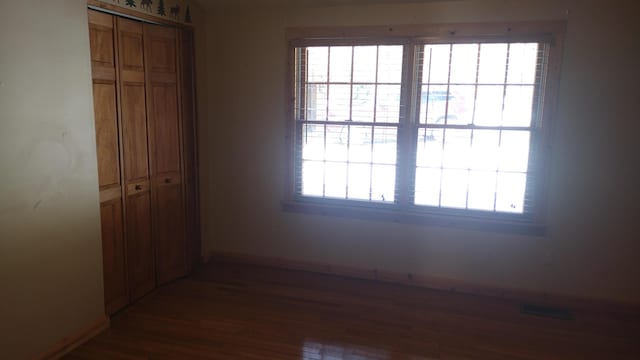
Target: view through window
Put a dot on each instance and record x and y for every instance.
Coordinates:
(444, 126)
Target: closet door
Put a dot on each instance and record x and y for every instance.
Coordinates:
(105, 90)
(165, 134)
(140, 257)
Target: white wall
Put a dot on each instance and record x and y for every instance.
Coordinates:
(50, 249)
(592, 247)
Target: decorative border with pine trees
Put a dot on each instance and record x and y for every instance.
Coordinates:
(173, 10)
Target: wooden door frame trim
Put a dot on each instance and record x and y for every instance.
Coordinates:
(70, 342)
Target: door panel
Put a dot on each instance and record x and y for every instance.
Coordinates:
(164, 125)
(106, 122)
(105, 98)
(171, 246)
(134, 129)
(167, 137)
(113, 255)
(140, 248)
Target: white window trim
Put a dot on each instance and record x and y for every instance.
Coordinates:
(401, 211)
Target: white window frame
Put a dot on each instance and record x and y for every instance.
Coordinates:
(412, 36)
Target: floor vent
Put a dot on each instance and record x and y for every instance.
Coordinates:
(547, 312)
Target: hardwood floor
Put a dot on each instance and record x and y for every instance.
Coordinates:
(229, 311)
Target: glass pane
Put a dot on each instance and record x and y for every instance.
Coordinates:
(363, 102)
(339, 101)
(335, 180)
(340, 64)
(456, 149)
(510, 195)
(489, 105)
(364, 63)
(493, 60)
(433, 104)
(390, 64)
(482, 187)
(359, 181)
(514, 151)
(360, 144)
(384, 145)
(429, 150)
(336, 144)
(454, 188)
(460, 111)
(316, 102)
(317, 62)
(522, 63)
(313, 142)
(437, 57)
(383, 182)
(312, 178)
(464, 59)
(484, 149)
(427, 187)
(518, 104)
(388, 103)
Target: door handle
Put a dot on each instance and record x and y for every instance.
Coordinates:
(167, 180)
(138, 187)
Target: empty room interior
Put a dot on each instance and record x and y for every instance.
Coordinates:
(319, 179)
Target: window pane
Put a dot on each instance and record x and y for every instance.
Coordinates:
(316, 102)
(518, 103)
(514, 151)
(363, 102)
(364, 63)
(456, 149)
(489, 105)
(485, 149)
(464, 59)
(336, 144)
(390, 64)
(437, 64)
(312, 178)
(383, 183)
(427, 187)
(482, 187)
(388, 103)
(317, 62)
(335, 180)
(360, 144)
(510, 195)
(433, 104)
(313, 142)
(339, 100)
(359, 181)
(522, 63)
(385, 145)
(454, 188)
(429, 151)
(340, 64)
(460, 111)
(493, 60)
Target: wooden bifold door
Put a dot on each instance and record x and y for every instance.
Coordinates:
(145, 134)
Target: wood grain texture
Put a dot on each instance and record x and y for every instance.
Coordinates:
(113, 256)
(228, 311)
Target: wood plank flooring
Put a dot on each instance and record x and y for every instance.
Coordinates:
(231, 311)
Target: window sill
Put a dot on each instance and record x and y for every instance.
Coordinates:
(391, 213)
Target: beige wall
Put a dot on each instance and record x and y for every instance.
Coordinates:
(592, 246)
(50, 250)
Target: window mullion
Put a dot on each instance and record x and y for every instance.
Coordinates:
(407, 128)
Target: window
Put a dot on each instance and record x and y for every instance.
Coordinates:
(424, 125)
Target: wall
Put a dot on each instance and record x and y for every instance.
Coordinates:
(50, 248)
(591, 249)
